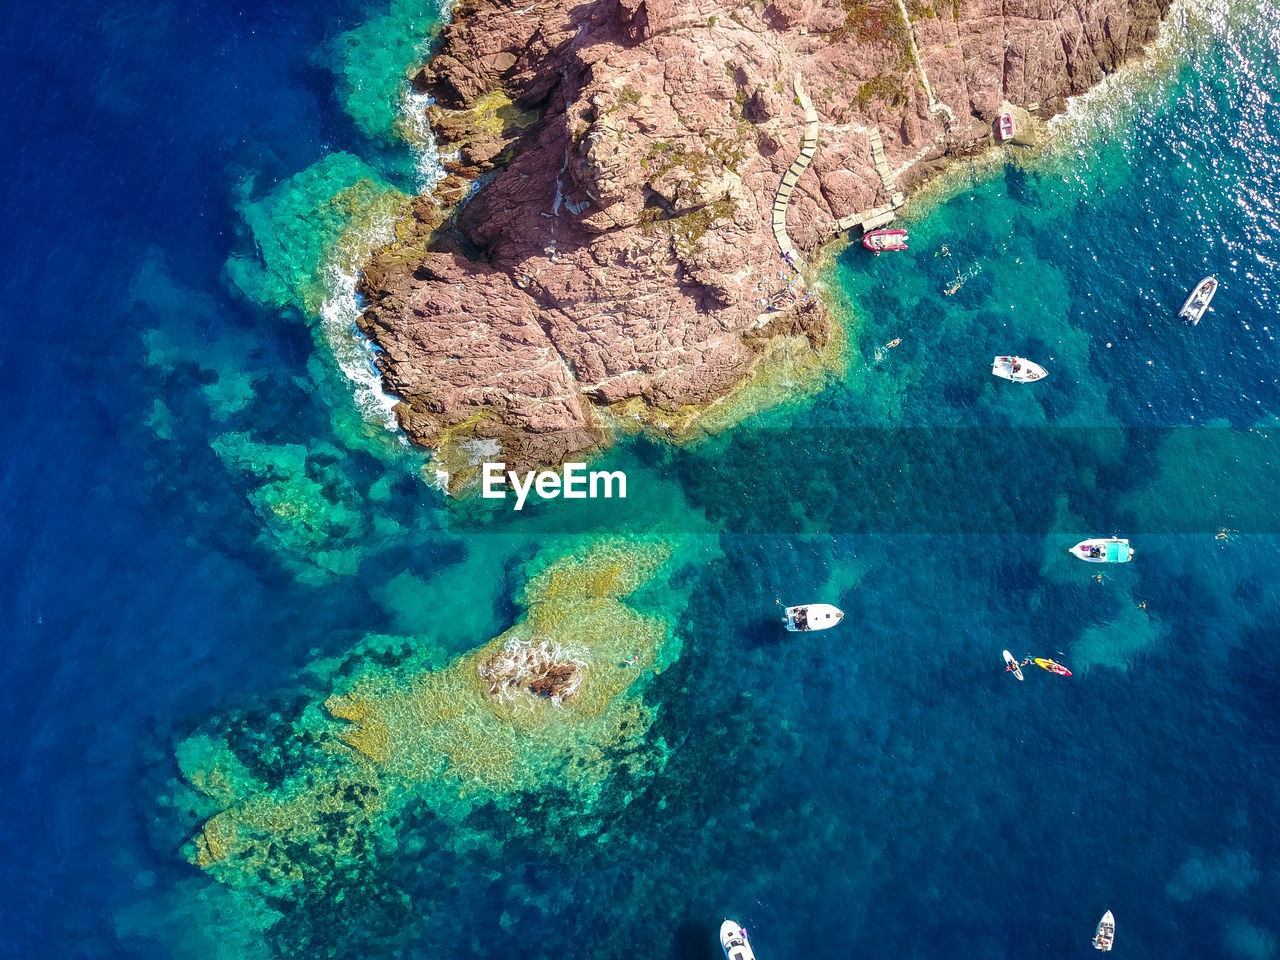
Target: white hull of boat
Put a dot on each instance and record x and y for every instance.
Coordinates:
(812, 616)
(1096, 550)
(1018, 369)
(1198, 302)
(1105, 936)
(734, 941)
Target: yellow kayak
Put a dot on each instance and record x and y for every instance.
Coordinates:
(1052, 667)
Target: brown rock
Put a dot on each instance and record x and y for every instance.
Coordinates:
(539, 668)
(623, 245)
(785, 14)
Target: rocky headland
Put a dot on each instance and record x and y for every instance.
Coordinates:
(608, 246)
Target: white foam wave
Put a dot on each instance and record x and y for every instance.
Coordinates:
(1108, 110)
(427, 162)
(355, 353)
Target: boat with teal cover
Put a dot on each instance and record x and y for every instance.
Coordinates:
(1098, 550)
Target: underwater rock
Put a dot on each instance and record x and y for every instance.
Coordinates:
(310, 511)
(300, 803)
(366, 734)
(319, 220)
(539, 668)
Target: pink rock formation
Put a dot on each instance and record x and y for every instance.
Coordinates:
(620, 248)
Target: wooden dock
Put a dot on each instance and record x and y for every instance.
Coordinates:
(808, 147)
(876, 216)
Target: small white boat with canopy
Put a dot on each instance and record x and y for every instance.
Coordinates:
(812, 616)
(1018, 369)
(734, 941)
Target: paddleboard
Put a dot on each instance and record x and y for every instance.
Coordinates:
(1052, 667)
(1013, 664)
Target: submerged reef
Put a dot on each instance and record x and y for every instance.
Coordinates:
(316, 221)
(292, 805)
(368, 63)
(308, 508)
(322, 510)
(307, 240)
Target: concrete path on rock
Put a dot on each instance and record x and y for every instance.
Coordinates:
(808, 147)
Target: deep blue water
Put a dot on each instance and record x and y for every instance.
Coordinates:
(884, 788)
(124, 613)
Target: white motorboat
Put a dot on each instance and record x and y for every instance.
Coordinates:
(1198, 302)
(1110, 550)
(1105, 937)
(812, 616)
(1018, 369)
(734, 940)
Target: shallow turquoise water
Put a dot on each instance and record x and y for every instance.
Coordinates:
(880, 788)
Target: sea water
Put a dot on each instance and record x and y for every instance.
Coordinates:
(204, 511)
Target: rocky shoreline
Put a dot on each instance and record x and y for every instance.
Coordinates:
(608, 243)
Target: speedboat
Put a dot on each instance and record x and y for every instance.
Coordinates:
(1111, 550)
(1012, 665)
(879, 240)
(1006, 126)
(1198, 302)
(812, 616)
(1052, 666)
(1105, 938)
(734, 940)
(1018, 369)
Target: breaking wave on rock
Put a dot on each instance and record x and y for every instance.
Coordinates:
(354, 353)
(523, 668)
